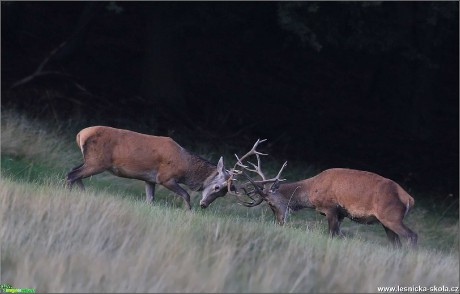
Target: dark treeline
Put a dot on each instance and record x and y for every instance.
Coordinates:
(367, 85)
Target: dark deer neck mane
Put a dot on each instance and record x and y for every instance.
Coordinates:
(200, 170)
(296, 194)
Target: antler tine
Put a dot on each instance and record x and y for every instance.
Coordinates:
(277, 178)
(239, 162)
(252, 151)
(281, 170)
(257, 168)
(255, 146)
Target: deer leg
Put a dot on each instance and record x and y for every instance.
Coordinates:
(393, 237)
(333, 221)
(78, 166)
(412, 238)
(80, 185)
(339, 222)
(407, 233)
(69, 184)
(149, 191)
(173, 186)
(80, 172)
(399, 228)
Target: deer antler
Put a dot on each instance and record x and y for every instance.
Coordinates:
(260, 190)
(257, 189)
(257, 185)
(257, 169)
(234, 172)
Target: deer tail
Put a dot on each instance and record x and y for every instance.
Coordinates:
(406, 198)
(407, 208)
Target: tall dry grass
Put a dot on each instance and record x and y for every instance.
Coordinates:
(54, 240)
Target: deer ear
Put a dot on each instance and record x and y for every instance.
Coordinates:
(220, 165)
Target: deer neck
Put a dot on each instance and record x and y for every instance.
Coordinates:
(296, 194)
(200, 171)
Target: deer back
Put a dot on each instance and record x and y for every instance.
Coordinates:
(132, 154)
(361, 193)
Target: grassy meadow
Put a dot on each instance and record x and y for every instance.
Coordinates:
(108, 239)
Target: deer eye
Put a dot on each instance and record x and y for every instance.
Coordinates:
(216, 188)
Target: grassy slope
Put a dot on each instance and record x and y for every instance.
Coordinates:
(107, 239)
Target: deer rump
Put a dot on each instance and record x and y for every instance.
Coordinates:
(361, 196)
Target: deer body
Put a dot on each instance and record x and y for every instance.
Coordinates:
(153, 159)
(337, 193)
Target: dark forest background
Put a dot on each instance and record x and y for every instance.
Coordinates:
(366, 85)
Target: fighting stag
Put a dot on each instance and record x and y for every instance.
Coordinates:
(152, 159)
(361, 196)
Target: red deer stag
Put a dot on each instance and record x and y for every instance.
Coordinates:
(153, 159)
(337, 193)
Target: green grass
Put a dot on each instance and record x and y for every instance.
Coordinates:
(108, 240)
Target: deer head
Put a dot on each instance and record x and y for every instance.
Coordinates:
(267, 190)
(215, 185)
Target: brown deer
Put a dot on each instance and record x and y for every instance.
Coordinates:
(153, 159)
(337, 193)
